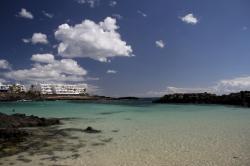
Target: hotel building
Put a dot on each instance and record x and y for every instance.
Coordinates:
(60, 89)
(14, 88)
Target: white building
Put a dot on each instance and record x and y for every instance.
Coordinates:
(60, 89)
(21, 87)
(4, 88)
(42, 88)
(16, 88)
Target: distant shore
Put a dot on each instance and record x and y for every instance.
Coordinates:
(5, 97)
(238, 99)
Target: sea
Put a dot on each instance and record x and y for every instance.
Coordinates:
(137, 133)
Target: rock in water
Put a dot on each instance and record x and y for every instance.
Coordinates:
(10, 124)
(21, 120)
(91, 130)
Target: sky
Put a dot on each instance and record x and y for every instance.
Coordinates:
(127, 47)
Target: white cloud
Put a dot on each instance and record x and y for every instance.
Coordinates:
(26, 40)
(233, 85)
(25, 14)
(189, 19)
(49, 15)
(4, 64)
(187, 90)
(37, 38)
(98, 41)
(142, 13)
(160, 44)
(112, 3)
(111, 72)
(91, 3)
(117, 16)
(43, 58)
(221, 87)
(65, 70)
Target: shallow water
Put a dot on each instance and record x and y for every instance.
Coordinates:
(139, 133)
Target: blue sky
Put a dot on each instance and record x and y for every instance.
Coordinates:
(127, 47)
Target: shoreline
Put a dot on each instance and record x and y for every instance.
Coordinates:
(126, 132)
(234, 99)
(8, 97)
(241, 98)
(20, 133)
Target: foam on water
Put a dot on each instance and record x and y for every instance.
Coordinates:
(144, 134)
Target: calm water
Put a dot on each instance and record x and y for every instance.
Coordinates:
(141, 133)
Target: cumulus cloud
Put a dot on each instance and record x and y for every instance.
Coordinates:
(25, 14)
(49, 15)
(233, 85)
(160, 43)
(142, 13)
(221, 87)
(112, 3)
(43, 58)
(111, 71)
(4, 64)
(189, 19)
(37, 38)
(98, 41)
(65, 70)
(91, 3)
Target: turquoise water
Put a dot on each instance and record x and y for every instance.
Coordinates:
(149, 134)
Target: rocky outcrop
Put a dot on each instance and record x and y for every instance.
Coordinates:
(12, 134)
(10, 125)
(22, 120)
(19, 96)
(241, 99)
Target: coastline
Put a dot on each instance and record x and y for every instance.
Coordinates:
(131, 133)
(19, 132)
(241, 98)
(237, 99)
(8, 97)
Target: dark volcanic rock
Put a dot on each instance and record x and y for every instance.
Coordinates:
(127, 98)
(12, 134)
(241, 99)
(21, 120)
(91, 130)
(7, 96)
(10, 124)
